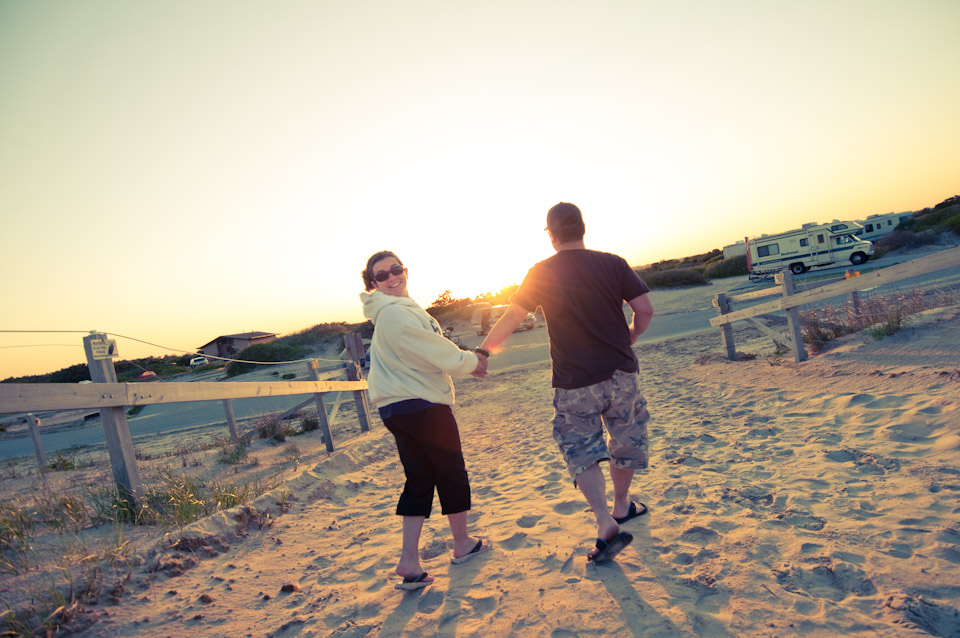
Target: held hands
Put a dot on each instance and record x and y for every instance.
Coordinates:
(481, 369)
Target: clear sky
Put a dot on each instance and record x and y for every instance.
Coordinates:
(174, 171)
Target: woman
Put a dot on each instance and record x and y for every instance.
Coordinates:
(409, 382)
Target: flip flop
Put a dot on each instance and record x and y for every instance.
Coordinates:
(633, 512)
(606, 550)
(411, 583)
(479, 548)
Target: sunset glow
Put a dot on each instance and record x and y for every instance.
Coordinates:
(178, 171)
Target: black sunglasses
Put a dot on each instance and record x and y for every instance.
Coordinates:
(382, 275)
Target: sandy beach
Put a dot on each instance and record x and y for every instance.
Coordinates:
(813, 499)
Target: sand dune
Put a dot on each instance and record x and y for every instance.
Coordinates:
(814, 499)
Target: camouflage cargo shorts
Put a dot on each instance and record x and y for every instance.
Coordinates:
(581, 414)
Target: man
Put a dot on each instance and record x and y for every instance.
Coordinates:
(581, 293)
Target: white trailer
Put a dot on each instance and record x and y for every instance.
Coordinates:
(812, 246)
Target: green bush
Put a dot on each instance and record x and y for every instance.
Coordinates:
(309, 422)
(673, 278)
(271, 427)
(903, 239)
(318, 334)
(728, 268)
(62, 464)
(942, 217)
(233, 453)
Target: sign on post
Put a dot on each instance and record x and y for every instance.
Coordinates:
(103, 348)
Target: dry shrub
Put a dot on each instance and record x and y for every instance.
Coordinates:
(882, 315)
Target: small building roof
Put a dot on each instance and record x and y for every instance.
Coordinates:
(242, 335)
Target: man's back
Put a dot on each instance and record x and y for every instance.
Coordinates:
(582, 292)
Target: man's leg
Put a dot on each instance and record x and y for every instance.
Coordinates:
(626, 421)
(621, 480)
(593, 486)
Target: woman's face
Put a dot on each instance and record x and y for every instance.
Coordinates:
(394, 284)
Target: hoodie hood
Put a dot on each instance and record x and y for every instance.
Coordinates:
(374, 302)
(409, 356)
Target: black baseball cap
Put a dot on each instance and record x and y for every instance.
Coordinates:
(564, 217)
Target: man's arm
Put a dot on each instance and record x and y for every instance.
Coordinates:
(642, 314)
(504, 327)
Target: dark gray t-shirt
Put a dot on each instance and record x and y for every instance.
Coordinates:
(582, 293)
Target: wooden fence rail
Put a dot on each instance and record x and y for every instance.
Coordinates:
(33, 397)
(791, 299)
(113, 398)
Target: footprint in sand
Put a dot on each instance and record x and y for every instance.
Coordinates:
(528, 521)
(430, 601)
(802, 520)
(840, 456)
(897, 550)
(516, 541)
(482, 606)
(712, 440)
(683, 558)
(699, 535)
(833, 582)
(566, 508)
(936, 620)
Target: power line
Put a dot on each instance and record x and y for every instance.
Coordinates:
(155, 345)
(41, 345)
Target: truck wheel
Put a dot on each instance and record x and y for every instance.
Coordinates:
(798, 268)
(858, 258)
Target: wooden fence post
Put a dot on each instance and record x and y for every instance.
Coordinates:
(231, 420)
(33, 422)
(321, 408)
(793, 321)
(119, 444)
(354, 345)
(854, 299)
(726, 330)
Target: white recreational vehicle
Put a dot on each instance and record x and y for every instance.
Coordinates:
(808, 247)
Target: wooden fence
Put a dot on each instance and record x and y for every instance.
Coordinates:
(791, 299)
(113, 399)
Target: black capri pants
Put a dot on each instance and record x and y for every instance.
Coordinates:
(429, 446)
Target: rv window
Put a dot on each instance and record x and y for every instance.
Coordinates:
(770, 249)
(819, 239)
(804, 242)
(837, 227)
(869, 228)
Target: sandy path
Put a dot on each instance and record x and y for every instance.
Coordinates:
(813, 500)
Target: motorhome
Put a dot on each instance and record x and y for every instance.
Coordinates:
(811, 246)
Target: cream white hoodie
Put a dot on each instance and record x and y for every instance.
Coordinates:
(409, 356)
